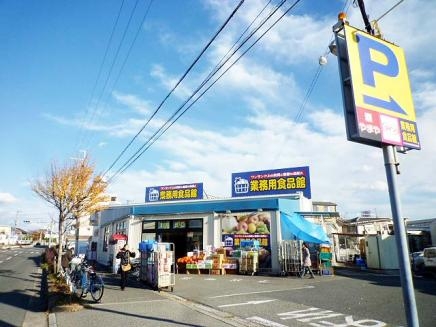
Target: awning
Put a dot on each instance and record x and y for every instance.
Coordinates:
(295, 226)
(118, 237)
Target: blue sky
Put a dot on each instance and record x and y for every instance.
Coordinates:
(52, 52)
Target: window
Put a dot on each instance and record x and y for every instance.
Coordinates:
(147, 225)
(106, 238)
(196, 223)
(179, 224)
(163, 224)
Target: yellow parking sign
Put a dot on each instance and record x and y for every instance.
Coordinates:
(381, 91)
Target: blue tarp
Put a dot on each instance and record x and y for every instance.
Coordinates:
(295, 226)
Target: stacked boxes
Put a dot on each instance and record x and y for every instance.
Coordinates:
(325, 266)
(249, 262)
(230, 263)
(221, 271)
(217, 261)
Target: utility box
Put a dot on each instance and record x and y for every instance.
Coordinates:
(381, 252)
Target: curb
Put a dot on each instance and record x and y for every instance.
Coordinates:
(52, 320)
(226, 317)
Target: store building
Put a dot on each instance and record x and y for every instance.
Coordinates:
(206, 224)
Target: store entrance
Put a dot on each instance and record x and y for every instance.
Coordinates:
(186, 234)
(180, 242)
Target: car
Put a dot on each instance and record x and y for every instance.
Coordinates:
(417, 261)
(429, 257)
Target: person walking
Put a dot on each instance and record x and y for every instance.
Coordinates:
(124, 254)
(307, 263)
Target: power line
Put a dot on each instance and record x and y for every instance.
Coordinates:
(155, 137)
(313, 82)
(116, 56)
(176, 85)
(100, 70)
(138, 30)
(152, 139)
(315, 78)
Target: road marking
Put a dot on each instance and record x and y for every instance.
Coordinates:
(210, 279)
(8, 258)
(245, 303)
(307, 315)
(260, 292)
(235, 280)
(313, 313)
(265, 322)
(265, 281)
(185, 278)
(1, 261)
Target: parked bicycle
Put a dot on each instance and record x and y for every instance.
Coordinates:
(85, 280)
(136, 269)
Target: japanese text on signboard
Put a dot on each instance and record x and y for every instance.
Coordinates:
(174, 192)
(377, 96)
(280, 181)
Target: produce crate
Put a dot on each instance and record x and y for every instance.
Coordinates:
(217, 271)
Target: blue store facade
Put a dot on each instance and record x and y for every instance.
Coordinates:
(208, 224)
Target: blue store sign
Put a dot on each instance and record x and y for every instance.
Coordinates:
(272, 182)
(192, 191)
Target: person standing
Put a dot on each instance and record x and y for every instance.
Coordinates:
(307, 263)
(124, 254)
(66, 259)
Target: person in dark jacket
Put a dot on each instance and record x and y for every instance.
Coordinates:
(66, 258)
(124, 254)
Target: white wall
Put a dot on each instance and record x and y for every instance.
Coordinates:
(381, 252)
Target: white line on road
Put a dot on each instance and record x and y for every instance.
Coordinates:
(260, 292)
(245, 303)
(9, 258)
(265, 322)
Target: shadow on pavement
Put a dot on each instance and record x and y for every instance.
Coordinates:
(178, 323)
(425, 285)
(5, 324)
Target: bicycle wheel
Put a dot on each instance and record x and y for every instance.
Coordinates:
(78, 290)
(96, 287)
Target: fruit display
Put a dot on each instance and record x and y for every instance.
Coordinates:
(254, 223)
(190, 259)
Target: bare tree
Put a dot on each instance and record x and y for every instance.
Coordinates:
(74, 191)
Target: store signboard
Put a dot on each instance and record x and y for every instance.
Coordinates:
(272, 182)
(378, 103)
(179, 192)
(243, 227)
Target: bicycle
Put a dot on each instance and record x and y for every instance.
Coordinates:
(65, 275)
(84, 279)
(134, 273)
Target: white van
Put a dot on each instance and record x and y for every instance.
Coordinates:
(429, 256)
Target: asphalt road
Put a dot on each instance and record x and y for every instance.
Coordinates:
(20, 284)
(353, 299)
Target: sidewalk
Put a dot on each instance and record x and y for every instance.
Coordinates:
(139, 305)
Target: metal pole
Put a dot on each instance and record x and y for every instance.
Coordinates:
(400, 238)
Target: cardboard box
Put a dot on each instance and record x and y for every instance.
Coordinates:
(217, 271)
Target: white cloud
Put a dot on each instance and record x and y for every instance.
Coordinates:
(264, 90)
(133, 102)
(6, 198)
